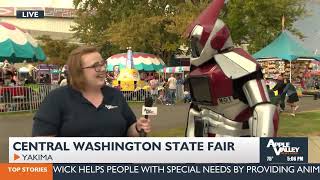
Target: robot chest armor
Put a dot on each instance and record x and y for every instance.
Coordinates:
(221, 87)
(221, 90)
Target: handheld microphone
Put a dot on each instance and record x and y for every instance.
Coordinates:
(146, 112)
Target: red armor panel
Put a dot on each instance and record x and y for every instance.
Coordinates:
(217, 79)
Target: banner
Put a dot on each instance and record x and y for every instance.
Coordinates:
(126, 150)
(100, 158)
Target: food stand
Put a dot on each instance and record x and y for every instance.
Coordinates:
(285, 55)
(50, 69)
(295, 70)
(271, 68)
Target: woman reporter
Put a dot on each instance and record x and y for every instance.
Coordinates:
(86, 107)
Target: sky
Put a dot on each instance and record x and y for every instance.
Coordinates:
(37, 3)
(309, 26)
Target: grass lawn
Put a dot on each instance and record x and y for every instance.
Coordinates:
(304, 124)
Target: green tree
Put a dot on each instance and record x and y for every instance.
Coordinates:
(142, 24)
(57, 51)
(251, 22)
(257, 23)
(158, 26)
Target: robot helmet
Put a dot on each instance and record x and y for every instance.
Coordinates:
(208, 34)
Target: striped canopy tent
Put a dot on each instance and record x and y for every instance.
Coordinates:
(141, 61)
(16, 45)
(177, 69)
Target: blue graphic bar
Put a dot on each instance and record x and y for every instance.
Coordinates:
(187, 171)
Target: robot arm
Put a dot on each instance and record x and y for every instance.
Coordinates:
(264, 122)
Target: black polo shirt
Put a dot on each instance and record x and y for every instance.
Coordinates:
(65, 112)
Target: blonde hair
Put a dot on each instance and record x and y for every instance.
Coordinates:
(76, 77)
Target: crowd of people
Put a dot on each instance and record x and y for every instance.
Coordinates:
(9, 76)
(168, 91)
(285, 88)
(162, 90)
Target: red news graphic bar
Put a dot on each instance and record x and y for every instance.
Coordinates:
(26, 171)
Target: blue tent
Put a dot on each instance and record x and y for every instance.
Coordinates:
(285, 47)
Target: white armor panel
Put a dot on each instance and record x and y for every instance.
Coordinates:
(214, 123)
(234, 65)
(207, 52)
(256, 92)
(261, 124)
(190, 127)
(230, 110)
(221, 126)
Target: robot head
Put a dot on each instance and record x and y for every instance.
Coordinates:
(208, 34)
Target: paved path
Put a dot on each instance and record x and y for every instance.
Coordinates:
(314, 149)
(169, 117)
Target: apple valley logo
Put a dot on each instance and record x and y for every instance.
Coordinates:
(283, 148)
(32, 157)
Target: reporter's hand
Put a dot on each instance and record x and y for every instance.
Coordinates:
(143, 123)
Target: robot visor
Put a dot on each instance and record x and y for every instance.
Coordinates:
(196, 47)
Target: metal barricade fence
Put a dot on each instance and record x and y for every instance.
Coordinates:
(23, 98)
(135, 96)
